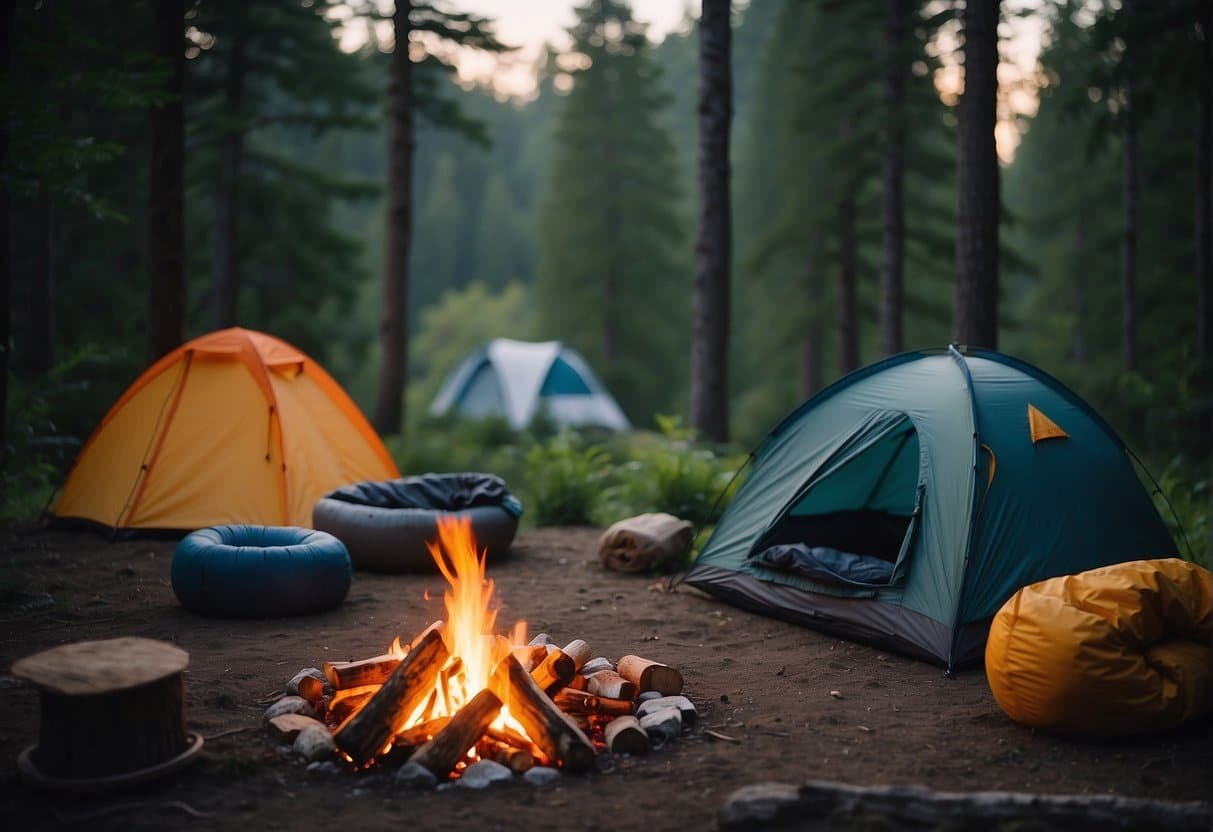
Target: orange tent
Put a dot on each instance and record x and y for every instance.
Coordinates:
(232, 427)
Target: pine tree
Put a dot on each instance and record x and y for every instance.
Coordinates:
(166, 190)
(897, 58)
(975, 312)
(710, 335)
(409, 93)
(610, 279)
(267, 81)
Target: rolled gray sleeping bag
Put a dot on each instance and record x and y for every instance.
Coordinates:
(385, 525)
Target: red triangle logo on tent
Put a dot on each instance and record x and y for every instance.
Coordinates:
(1042, 427)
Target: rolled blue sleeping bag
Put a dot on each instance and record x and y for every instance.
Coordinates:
(248, 571)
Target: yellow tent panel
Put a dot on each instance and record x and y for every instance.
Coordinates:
(233, 427)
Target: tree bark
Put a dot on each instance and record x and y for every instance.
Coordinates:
(226, 278)
(166, 191)
(892, 176)
(1131, 186)
(1204, 202)
(848, 318)
(975, 300)
(40, 350)
(710, 338)
(393, 325)
(810, 344)
(7, 11)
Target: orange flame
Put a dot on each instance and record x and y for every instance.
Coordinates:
(469, 626)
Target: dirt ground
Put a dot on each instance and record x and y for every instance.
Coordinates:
(761, 681)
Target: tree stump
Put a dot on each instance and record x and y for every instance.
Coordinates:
(108, 708)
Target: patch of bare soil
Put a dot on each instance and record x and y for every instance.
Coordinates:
(759, 681)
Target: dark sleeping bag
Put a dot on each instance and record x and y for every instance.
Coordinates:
(441, 492)
(825, 565)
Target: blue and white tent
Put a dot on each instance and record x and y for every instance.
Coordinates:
(515, 379)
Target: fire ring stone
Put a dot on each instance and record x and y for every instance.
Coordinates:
(247, 571)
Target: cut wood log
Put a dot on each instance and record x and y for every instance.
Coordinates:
(578, 682)
(647, 675)
(107, 707)
(346, 703)
(557, 737)
(784, 805)
(529, 656)
(372, 671)
(451, 744)
(366, 733)
(646, 541)
(517, 760)
(578, 651)
(555, 671)
(540, 639)
(625, 736)
(509, 736)
(610, 684)
(419, 735)
(310, 688)
(577, 702)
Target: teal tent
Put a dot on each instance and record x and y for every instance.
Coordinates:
(906, 502)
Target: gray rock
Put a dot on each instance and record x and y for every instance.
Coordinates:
(292, 687)
(289, 705)
(483, 774)
(758, 806)
(595, 665)
(315, 743)
(542, 776)
(662, 725)
(684, 706)
(650, 695)
(325, 768)
(415, 776)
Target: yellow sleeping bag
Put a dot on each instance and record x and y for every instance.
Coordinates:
(1114, 651)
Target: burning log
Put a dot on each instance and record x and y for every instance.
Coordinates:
(578, 651)
(449, 745)
(560, 740)
(372, 671)
(540, 640)
(510, 737)
(530, 656)
(345, 702)
(370, 729)
(647, 675)
(555, 671)
(576, 702)
(419, 735)
(610, 684)
(625, 736)
(516, 759)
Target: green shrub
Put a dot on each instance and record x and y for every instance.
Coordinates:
(672, 475)
(563, 481)
(1189, 496)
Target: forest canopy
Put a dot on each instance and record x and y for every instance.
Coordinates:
(570, 213)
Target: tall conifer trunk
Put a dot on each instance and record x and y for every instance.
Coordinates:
(7, 11)
(1204, 203)
(848, 316)
(226, 281)
(810, 344)
(1131, 187)
(166, 191)
(710, 335)
(975, 301)
(393, 324)
(40, 353)
(892, 176)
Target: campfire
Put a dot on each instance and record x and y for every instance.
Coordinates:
(459, 692)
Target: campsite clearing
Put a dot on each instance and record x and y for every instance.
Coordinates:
(760, 681)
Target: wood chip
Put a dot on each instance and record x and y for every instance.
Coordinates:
(716, 735)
